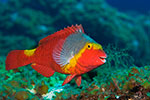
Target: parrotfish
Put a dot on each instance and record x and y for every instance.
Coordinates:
(68, 51)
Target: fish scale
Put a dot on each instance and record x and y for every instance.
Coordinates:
(68, 51)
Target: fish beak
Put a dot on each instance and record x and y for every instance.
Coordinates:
(103, 56)
(103, 59)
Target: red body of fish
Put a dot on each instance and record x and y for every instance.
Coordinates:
(68, 51)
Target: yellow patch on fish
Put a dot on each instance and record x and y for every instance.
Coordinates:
(71, 64)
(29, 52)
(73, 61)
(88, 46)
(97, 46)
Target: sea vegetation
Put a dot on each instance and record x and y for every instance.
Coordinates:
(132, 84)
(25, 83)
(112, 81)
(124, 76)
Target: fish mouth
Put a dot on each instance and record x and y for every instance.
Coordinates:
(103, 59)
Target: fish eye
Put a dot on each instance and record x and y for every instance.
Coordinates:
(89, 46)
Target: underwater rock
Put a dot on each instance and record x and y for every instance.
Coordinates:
(22, 95)
(118, 88)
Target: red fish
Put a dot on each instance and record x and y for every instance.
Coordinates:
(68, 51)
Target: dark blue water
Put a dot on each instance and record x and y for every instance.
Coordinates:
(140, 6)
(4, 1)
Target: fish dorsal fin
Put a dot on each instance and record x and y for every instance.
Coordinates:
(74, 29)
(60, 57)
(70, 30)
(64, 33)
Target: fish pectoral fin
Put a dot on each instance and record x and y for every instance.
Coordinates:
(68, 79)
(44, 70)
(78, 80)
(59, 56)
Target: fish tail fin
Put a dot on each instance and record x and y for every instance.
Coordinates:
(18, 58)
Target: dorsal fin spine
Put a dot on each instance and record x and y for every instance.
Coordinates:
(73, 29)
(63, 33)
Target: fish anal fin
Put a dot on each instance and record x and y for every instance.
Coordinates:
(44, 70)
(68, 79)
(78, 80)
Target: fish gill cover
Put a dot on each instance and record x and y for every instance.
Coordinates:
(124, 76)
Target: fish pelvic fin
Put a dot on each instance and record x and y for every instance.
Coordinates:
(18, 58)
(68, 79)
(78, 80)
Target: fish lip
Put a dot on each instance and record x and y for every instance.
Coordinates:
(103, 59)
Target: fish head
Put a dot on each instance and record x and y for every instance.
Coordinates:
(92, 55)
(79, 49)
